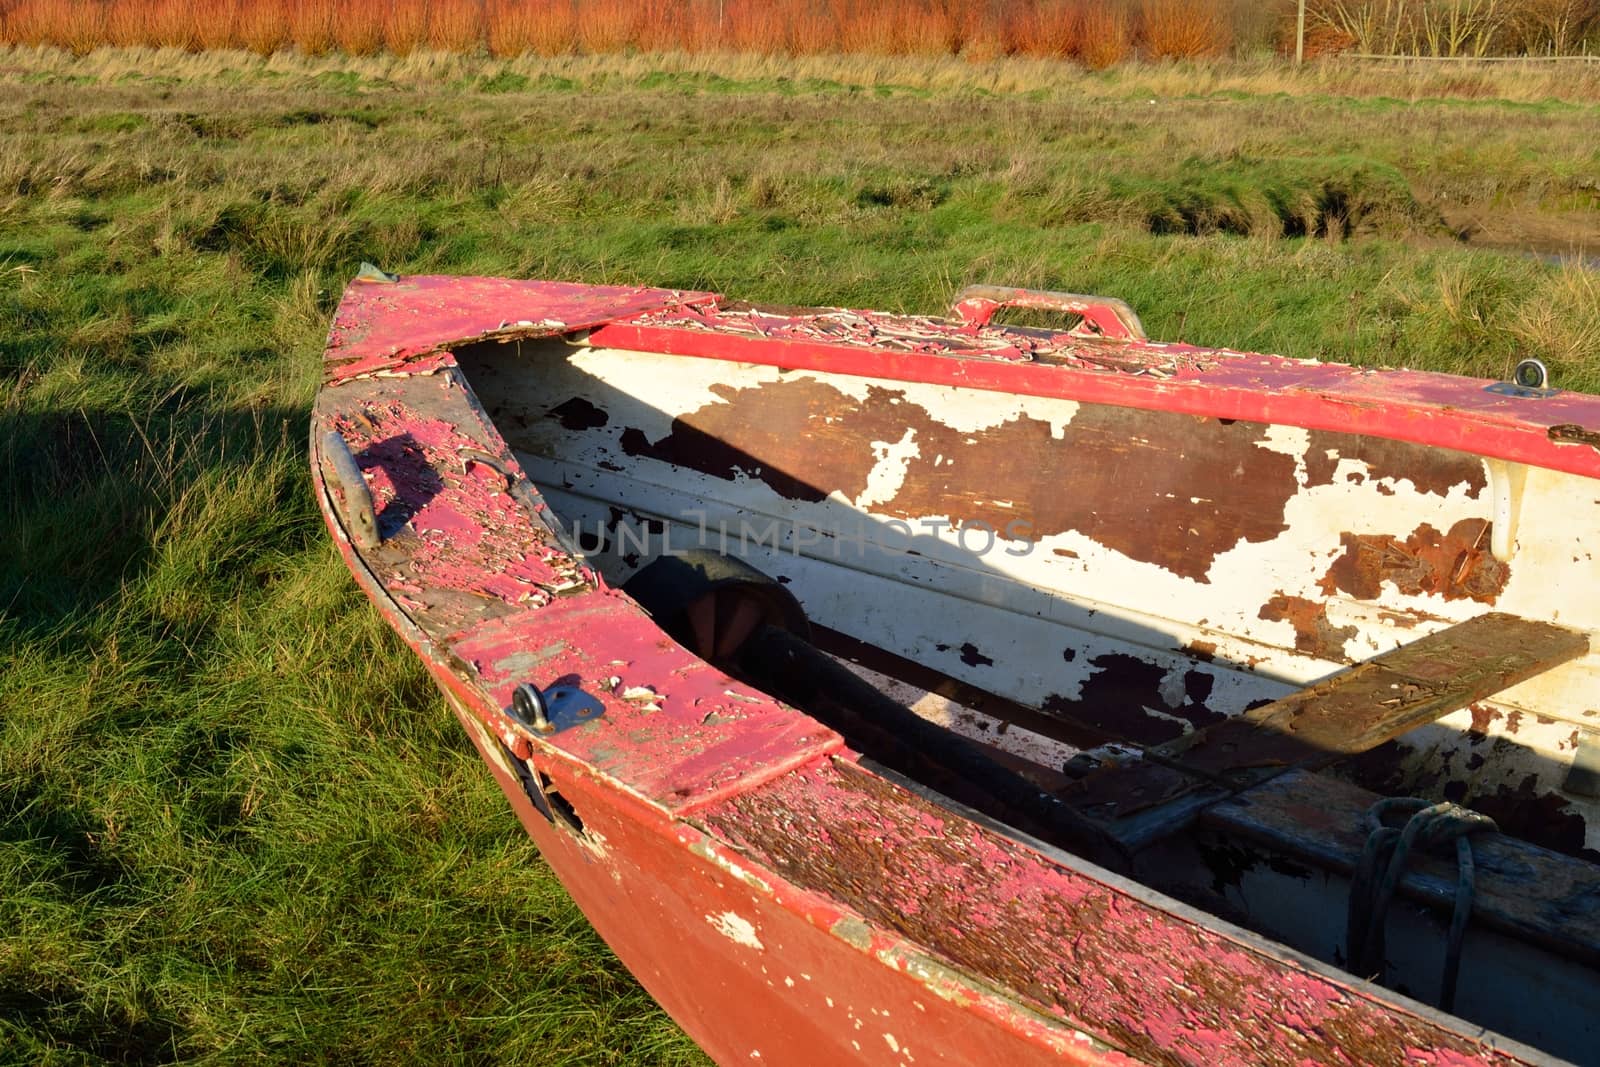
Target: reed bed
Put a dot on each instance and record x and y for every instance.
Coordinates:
(1099, 32)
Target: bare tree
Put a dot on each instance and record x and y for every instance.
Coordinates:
(1553, 27)
(1374, 26)
(1461, 27)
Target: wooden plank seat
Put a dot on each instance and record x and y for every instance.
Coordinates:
(1340, 716)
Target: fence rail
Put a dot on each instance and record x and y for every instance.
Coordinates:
(1402, 58)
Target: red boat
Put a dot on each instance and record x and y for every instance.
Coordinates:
(916, 690)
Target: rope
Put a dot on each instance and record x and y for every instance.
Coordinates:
(1383, 865)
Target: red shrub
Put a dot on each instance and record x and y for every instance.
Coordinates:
(758, 26)
(1056, 26)
(454, 25)
(1181, 29)
(1104, 39)
(76, 27)
(221, 29)
(405, 26)
(607, 25)
(358, 27)
(262, 28)
(541, 27)
(311, 26)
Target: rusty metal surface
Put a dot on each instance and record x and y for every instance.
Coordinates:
(1454, 565)
(1151, 982)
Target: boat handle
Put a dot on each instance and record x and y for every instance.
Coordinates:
(1103, 316)
(348, 490)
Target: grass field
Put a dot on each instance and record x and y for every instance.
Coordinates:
(236, 823)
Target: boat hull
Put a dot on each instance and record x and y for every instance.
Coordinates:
(784, 899)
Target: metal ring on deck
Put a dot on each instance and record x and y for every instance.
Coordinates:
(528, 709)
(1531, 374)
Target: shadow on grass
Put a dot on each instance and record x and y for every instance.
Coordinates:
(93, 490)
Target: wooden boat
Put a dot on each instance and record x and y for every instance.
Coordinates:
(892, 689)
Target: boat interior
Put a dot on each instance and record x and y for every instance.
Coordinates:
(1306, 681)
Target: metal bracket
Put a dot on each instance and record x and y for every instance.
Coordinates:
(1523, 391)
(549, 711)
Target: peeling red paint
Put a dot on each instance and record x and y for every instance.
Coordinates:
(452, 528)
(1410, 406)
(1153, 983)
(403, 326)
(700, 737)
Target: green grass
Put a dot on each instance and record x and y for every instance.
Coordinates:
(236, 822)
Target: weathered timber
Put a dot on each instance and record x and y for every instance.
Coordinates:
(1341, 716)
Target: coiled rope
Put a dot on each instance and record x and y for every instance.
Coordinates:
(1383, 864)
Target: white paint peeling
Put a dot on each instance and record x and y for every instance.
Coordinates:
(736, 928)
(594, 842)
(888, 475)
(1099, 600)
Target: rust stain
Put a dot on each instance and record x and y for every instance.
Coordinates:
(1431, 470)
(1456, 565)
(1483, 716)
(1313, 633)
(1168, 489)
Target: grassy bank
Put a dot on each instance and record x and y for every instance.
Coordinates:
(235, 822)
